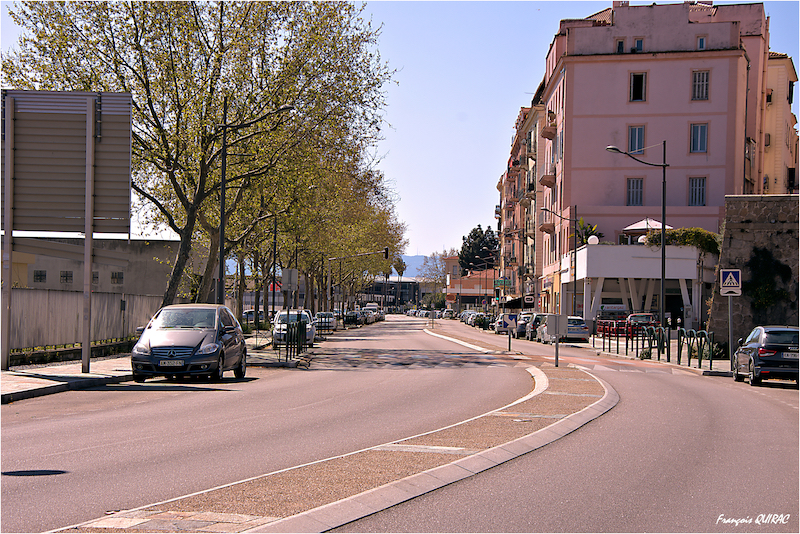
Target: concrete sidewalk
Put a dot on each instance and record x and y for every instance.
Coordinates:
(26, 382)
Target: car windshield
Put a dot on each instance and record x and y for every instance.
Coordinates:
(781, 337)
(325, 315)
(185, 318)
(641, 319)
(575, 322)
(290, 318)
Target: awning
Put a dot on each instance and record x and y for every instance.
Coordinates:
(644, 226)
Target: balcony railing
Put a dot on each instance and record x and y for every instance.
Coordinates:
(549, 131)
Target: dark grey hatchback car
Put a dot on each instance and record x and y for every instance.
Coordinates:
(768, 352)
(190, 339)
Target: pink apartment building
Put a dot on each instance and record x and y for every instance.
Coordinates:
(695, 78)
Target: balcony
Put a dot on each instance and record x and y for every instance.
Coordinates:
(549, 131)
(547, 227)
(549, 178)
(510, 261)
(530, 193)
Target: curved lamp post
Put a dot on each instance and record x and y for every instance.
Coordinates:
(663, 166)
(574, 254)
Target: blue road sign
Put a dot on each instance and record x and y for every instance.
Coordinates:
(730, 282)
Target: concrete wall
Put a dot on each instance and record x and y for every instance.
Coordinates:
(769, 222)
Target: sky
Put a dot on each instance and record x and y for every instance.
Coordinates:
(463, 71)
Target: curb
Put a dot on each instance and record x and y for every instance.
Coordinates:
(340, 513)
(80, 383)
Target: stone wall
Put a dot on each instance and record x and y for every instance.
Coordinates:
(760, 238)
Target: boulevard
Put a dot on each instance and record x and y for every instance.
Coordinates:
(675, 454)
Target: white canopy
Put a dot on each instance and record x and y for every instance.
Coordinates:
(645, 225)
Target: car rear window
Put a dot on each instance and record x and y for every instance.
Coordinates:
(576, 322)
(781, 337)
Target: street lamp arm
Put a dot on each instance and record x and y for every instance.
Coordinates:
(612, 148)
(559, 215)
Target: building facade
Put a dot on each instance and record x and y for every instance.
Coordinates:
(682, 87)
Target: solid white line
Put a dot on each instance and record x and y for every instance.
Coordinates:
(464, 343)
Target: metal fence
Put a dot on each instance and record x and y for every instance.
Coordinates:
(46, 318)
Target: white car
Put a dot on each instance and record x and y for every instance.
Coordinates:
(326, 321)
(284, 318)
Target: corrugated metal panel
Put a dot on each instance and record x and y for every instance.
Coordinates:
(50, 160)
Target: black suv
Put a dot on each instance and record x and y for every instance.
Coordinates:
(768, 352)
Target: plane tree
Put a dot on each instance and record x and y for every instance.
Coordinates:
(181, 61)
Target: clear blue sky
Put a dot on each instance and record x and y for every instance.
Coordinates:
(464, 69)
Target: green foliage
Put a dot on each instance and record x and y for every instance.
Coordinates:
(646, 354)
(434, 301)
(697, 237)
(181, 61)
(478, 250)
(585, 231)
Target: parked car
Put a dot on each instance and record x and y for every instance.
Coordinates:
(449, 314)
(532, 326)
(635, 322)
(768, 352)
(248, 315)
(326, 321)
(190, 339)
(577, 329)
(353, 318)
(284, 318)
(522, 323)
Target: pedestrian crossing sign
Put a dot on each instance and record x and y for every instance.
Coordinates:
(730, 282)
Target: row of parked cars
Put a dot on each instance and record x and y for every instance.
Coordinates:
(528, 325)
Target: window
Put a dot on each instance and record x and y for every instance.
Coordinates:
(116, 277)
(620, 46)
(699, 138)
(66, 277)
(697, 191)
(40, 276)
(638, 87)
(700, 85)
(635, 187)
(636, 139)
(638, 44)
(701, 42)
(95, 277)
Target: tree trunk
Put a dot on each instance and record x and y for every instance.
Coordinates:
(212, 266)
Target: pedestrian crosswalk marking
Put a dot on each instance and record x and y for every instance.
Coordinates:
(731, 281)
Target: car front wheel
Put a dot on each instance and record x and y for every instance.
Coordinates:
(216, 376)
(241, 369)
(736, 376)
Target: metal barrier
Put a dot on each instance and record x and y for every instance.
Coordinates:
(660, 336)
(294, 342)
(697, 341)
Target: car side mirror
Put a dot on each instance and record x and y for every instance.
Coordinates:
(741, 340)
(140, 330)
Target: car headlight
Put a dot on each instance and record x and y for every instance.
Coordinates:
(211, 348)
(141, 349)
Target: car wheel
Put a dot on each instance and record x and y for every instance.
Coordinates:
(138, 378)
(752, 376)
(216, 376)
(241, 369)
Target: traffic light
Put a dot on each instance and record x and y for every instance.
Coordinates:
(386, 253)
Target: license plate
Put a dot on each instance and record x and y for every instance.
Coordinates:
(171, 363)
(790, 355)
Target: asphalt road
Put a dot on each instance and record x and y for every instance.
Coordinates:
(679, 453)
(73, 456)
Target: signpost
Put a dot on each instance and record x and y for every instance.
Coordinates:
(730, 285)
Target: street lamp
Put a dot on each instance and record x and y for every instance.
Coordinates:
(574, 254)
(224, 125)
(663, 166)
